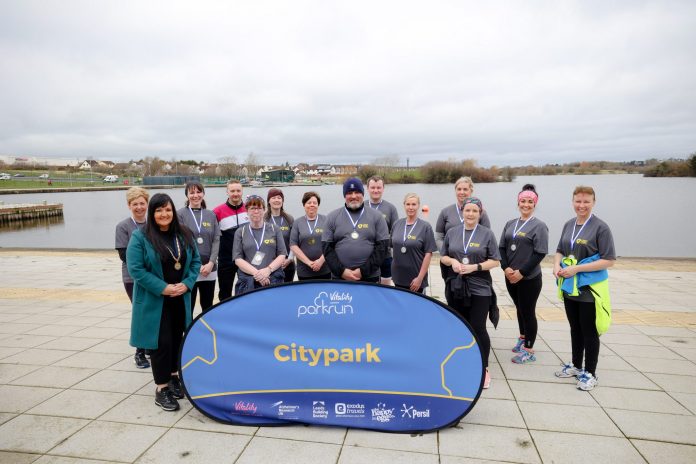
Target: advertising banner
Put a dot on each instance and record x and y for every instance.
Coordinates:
(333, 353)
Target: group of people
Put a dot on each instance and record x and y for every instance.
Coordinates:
(169, 257)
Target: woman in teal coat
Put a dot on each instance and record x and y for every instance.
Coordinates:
(164, 263)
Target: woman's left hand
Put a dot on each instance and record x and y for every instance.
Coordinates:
(286, 263)
(567, 272)
(469, 268)
(515, 276)
(206, 269)
(416, 284)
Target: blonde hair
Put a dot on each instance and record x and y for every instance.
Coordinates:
(412, 195)
(134, 193)
(584, 189)
(466, 179)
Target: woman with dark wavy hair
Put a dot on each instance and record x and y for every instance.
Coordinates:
(164, 263)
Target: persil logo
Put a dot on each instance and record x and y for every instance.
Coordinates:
(327, 304)
(413, 413)
(382, 414)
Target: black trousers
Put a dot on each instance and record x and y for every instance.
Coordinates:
(226, 281)
(476, 314)
(584, 338)
(317, 277)
(207, 290)
(525, 294)
(289, 272)
(165, 359)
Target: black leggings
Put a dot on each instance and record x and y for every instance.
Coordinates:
(289, 272)
(583, 333)
(317, 277)
(475, 314)
(207, 289)
(164, 359)
(525, 294)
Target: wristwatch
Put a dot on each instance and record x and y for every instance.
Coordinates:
(479, 267)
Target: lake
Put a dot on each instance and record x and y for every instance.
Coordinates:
(649, 217)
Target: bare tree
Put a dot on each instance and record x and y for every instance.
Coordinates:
(252, 163)
(228, 166)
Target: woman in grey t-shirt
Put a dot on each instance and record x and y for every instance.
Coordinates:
(305, 240)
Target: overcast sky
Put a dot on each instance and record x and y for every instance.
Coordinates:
(518, 82)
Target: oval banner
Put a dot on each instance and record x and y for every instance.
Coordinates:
(332, 353)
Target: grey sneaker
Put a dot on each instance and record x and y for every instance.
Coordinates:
(568, 371)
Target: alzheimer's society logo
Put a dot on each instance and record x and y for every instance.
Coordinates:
(328, 304)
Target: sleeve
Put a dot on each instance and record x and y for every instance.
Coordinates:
(440, 225)
(377, 257)
(502, 247)
(121, 236)
(382, 230)
(444, 248)
(605, 243)
(529, 266)
(541, 239)
(394, 217)
(485, 220)
(122, 254)
(493, 252)
(295, 234)
(238, 244)
(429, 239)
(329, 250)
(215, 249)
(559, 248)
(136, 256)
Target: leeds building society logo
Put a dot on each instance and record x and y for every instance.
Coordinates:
(285, 410)
(413, 413)
(327, 304)
(319, 410)
(382, 414)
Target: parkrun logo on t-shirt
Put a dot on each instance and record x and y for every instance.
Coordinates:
(327, 304)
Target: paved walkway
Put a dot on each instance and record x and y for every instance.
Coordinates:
(69, 392)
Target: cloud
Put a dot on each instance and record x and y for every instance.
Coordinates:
(503, 82)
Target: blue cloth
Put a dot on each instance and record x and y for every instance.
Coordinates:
(583, 279)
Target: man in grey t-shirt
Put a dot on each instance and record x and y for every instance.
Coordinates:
(355, 238)
(375, 188)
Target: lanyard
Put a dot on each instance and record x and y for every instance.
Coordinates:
(466, 247)
(178, 250)
(316, 221)
(573, 236)
(355, 223)
(263, 232)
(137, 225)
(274, 223)
(461, 218)
(515, 230)
(376, 207)
(412, 227)
(198, 224)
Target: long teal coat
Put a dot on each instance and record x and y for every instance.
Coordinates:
(145, 266)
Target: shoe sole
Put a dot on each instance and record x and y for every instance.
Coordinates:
(523, 362)
(166, 408)
(141, 366)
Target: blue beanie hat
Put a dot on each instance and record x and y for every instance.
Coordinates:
(353, 185)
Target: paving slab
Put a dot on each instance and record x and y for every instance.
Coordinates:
(425, 443)
(17, 399)
(674, 383)
(47, 459)
(18, 458)
(538, 392)
(568, 418)
(38, 356)
(116, 381)
(487, 411)
(655, 426)
(487, 442)
(57, 377)
(110, 441)
(638, 400)
(657, 452)
(37, 434)
(137, 409)
(356, 455)
(78, 404)
(317, 434)
(195, 420)
(262, 449)
(571, 448)
(195, 447)
(10, 372)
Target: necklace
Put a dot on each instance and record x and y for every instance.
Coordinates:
(177, 264)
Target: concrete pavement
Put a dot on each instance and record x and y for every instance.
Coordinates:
(70, 393)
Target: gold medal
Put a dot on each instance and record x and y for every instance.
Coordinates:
(177, 266)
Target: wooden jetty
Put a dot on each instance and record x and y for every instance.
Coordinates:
(29, 212)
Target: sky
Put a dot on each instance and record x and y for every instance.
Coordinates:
(501, 82)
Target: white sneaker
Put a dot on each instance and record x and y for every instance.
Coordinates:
(587, 382)
(568, 371)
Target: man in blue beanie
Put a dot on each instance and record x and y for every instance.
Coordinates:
(355, 238)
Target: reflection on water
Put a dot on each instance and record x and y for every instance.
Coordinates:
(36, 223)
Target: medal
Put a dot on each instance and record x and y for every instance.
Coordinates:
(571, 257)
(465, 260)
(200, 240)
(354, 235)
(198, 224)
(513, 247)
(177, 265)
(407, 233)
(403, 249)
(311, 241)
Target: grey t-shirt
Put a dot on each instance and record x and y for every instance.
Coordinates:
(124, 230)
(532, 237)
(306, 234)
(270, 243)
(451, 217)
(482, 246)
(389, 212)
(594, 238)
(209, 232)
(411, 243)
(284, 225)
(370, 226)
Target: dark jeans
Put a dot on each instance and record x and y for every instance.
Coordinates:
(584, 338)
(476, 314)
(207, 290)
(164, 359)
(226, 281)
(525, 294)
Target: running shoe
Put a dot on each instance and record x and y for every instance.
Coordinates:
(140, 360)
(587, 381)
(524, 357)
(568, 371)
(176, 387)
(487, 380)
(165, 399)
(518, 345)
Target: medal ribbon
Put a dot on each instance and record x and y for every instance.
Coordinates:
(198, 224)
(515, 230)
(573, 236)
(263, 232)
(355, 223)
(178, 250)
(316, 221)
(412, 227)
(466, 247)
(274, 223)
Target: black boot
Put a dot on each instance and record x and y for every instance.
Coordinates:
(165, 400)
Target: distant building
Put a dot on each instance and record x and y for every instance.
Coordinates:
(279, 175)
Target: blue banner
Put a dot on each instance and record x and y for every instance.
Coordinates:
(333, 353)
